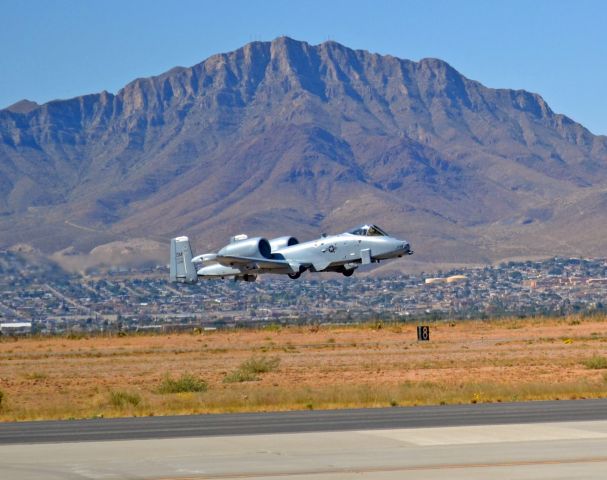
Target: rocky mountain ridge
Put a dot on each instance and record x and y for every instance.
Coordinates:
(284, 137)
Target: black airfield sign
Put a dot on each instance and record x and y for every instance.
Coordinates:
(423, 333)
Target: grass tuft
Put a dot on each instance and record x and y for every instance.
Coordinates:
(186, 383)
(240, 375)
(248, 370)
(35, 376)
(595, 363)
(121, 399)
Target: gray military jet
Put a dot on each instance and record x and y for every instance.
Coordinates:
(244, 258)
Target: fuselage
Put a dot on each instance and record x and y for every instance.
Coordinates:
(344, 248)
(343, 253)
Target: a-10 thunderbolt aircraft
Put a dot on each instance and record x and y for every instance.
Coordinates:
(244, 258)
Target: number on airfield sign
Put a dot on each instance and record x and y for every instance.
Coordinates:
(423, 333)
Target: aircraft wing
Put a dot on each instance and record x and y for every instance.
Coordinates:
(265, 263)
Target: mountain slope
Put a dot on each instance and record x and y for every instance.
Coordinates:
(284, 137)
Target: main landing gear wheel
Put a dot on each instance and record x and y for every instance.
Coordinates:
(347, 273)
(296, 275)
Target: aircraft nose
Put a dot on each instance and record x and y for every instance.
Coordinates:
(406, 247)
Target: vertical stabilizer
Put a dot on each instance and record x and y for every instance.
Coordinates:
(181, 266)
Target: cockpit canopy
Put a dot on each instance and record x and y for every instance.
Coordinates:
(369, 231)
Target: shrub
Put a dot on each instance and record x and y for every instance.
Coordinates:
(186, 383)
(239, 375)
(260, 364)
(1, 398)
(121, 399)
(36, 376)
(247, 371)
(596, 363)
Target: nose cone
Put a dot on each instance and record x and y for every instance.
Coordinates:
(402, 247)
(406, 247)
(393, 248)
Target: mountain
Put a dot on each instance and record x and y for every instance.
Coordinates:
(284, 137)
(23, 106)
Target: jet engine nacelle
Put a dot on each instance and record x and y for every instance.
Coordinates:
(282, 242)
(251, 247)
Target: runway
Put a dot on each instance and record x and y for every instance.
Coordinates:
(302, 421)
(477, 442)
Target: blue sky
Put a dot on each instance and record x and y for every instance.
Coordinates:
(64, 48)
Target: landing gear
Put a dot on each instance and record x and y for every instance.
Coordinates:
(348, 273)
(296, 275)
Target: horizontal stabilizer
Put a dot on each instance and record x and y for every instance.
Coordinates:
(205, 258)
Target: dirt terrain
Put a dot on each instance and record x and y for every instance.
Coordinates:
(303, 367)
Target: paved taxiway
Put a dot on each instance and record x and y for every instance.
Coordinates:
(479, 442)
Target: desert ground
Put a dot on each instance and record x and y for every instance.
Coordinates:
(280, 368)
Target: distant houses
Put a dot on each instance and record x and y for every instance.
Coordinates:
(36, 299)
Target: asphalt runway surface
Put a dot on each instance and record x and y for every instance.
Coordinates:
(301, 421)
(528, 441)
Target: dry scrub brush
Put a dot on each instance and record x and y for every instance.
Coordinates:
(595, 363)
(121, 399)
(248, 370)
(187, 383)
